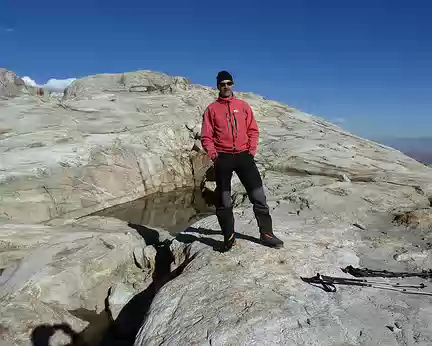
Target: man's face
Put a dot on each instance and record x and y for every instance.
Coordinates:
(225, 88)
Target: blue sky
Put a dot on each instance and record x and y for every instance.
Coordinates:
(368, 65)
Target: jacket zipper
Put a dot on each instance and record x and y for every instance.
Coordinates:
(232, 128)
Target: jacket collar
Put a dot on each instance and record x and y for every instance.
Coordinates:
(226, 100)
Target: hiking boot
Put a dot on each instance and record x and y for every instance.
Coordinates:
(269, 239)
(229, 242)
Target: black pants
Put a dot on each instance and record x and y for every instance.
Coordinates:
(244, 166)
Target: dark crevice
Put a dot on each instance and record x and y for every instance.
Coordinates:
(102, 329)
(98, 324)
(137, 264)
(150, 236)
(125, 328)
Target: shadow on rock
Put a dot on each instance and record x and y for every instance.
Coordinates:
(42, 334)
(125, 328)
(187, 237)
(150, 236)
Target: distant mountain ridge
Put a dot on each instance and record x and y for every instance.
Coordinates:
(418, 148)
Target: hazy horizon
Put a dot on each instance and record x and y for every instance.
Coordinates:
(418, 148)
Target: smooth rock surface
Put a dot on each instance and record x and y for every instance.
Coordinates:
(106, 143)
(254, 295)
(147, 82)
(50, 272)
(10, 84)
(68, 159)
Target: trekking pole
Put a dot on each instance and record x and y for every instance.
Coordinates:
(402, 290)
(357, 272)
(377, 282)
(328, 284)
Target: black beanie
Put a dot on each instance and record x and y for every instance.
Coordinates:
(223, 75)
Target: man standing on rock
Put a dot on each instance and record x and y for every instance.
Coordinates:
(230, 138)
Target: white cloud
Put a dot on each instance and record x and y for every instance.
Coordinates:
(56, 85)
(28, 81)
(9, 30)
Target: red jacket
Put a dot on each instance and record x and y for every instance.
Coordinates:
(229, 126)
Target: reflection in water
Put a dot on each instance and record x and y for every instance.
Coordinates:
(173, 211)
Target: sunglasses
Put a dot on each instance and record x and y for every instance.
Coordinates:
(226, 84)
